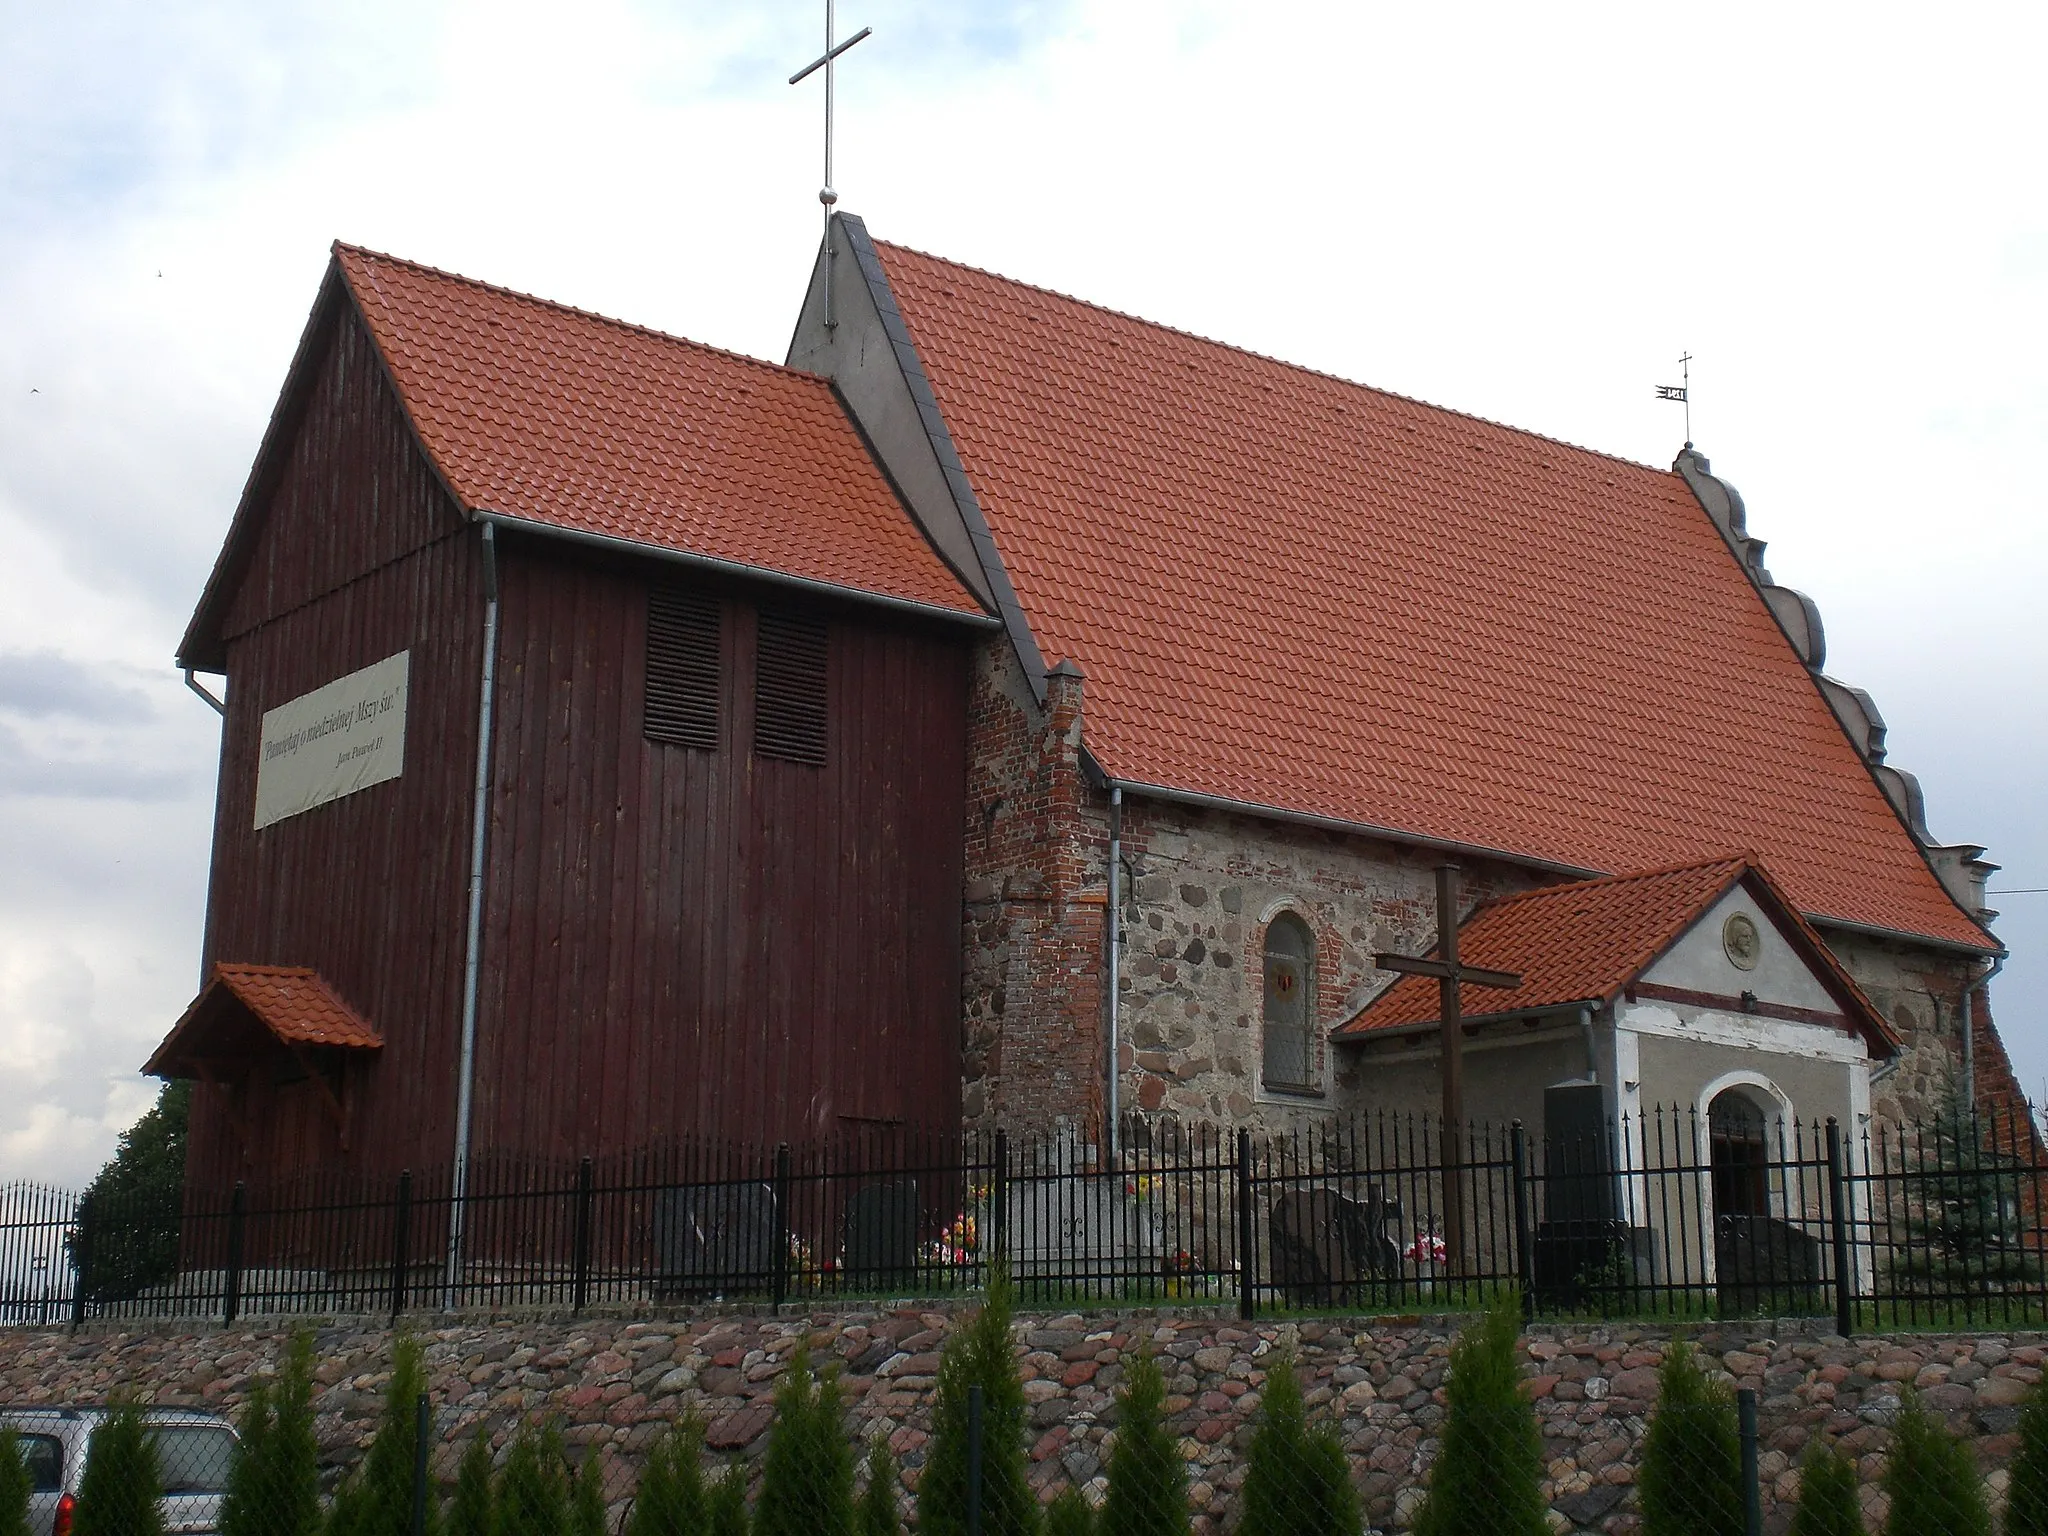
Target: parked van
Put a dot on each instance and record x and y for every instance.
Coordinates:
(194, 1452)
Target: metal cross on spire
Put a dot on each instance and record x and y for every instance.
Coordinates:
(828, 194)
(1449, 973)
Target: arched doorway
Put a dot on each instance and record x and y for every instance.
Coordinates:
(1739, 1153)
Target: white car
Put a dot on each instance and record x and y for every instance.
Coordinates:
(194, 1451)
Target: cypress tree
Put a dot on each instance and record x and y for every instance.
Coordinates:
(469, 1512)
(1931, 1479)
(248, 1495)
(120, 1492)
(878, 1514)
(807, 1475)
(586, 1498)
(2026, 1500)
(1488, 1477)
(293, 1483)
(377, 1501)
(1148, 1491)
(532, 1496)
(1297, 1482)
(671, 1497)
(984, 1354)
(1069, 1515)
(725, 1507)
(1690, 1479)
(1830, 1497)
(14, 1485)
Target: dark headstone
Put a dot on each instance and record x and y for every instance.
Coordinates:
(713, 1238)
(881, 1235)
(1767, 1267)
(1324, 1245)
(1578, 1155)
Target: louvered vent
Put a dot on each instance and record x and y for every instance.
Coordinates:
(789, 688)
(682, 668)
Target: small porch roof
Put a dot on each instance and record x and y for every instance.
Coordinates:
(1587, 943)
(243, 1011)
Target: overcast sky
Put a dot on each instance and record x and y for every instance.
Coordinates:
(1522, 211)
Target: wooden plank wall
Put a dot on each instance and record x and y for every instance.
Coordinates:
(681, 941)
(361, 554)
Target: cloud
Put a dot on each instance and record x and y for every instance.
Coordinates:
(45, 683)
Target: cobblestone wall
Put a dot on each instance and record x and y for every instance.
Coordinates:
(614, 1384)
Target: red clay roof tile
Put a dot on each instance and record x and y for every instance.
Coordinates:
(1298, 592)
(556, 416)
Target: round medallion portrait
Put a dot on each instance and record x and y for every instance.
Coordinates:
(1742, 941)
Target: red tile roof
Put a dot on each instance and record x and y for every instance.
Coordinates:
(1586, 942)
(556, 416)
(290, 1002)
(1302, 593)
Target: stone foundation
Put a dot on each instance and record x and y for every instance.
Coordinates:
(614, 1383)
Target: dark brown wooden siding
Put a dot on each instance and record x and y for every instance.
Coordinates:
(360, 554)
(715, 942)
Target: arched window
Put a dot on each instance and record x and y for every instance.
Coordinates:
(1289, 1045)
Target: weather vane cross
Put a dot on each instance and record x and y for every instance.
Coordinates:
(1681, 392)
(828, 194)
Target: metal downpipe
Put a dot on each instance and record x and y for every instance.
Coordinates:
(473, 953)
(1113, 967)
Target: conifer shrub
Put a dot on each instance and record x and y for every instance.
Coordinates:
(274, 1485)
(671, 1500)
(469, 1511)
(119, 1493)
(1148, 1493)
(983, 1353)
(878, 1513)
(377, 1500)
(1931, 1479)
(725, 1505)
(1690, 1479)
(1830, 1496)
(532, 1495)
(241, 1510)
(1488, 1477)
(2026, 1500)
(807, 1475)
(15, 1486)
(586, 1498)
(1297, 1482)
(1069, 1515)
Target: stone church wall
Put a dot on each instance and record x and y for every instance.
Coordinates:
(613, 1384)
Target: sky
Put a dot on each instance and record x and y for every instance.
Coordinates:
(1524, 212)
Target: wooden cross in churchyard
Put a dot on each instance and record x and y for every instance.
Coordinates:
(1450, 974)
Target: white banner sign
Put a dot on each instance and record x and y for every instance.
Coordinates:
(333, 741)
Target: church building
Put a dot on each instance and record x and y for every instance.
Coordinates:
(1007, 712)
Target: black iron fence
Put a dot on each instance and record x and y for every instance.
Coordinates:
(1676, 1214)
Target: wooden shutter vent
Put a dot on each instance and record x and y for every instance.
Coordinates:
(789, 688)
(682, 668)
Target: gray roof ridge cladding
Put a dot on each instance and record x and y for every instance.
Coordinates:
(1321, 374)
(575, 312)
(981, 537)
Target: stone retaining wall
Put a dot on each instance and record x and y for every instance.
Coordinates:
(614, 1383)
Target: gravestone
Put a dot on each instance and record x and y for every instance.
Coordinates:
(710, 1239)
(881, 1236)
(1582, 1246)
(1323, 1244)
(1092, 1228)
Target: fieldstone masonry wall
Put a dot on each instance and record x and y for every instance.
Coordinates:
(614, 1383)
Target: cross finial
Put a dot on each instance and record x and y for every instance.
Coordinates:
(828, 194)
(1681, 392)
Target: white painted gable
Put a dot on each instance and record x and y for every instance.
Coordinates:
(1699, 961)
